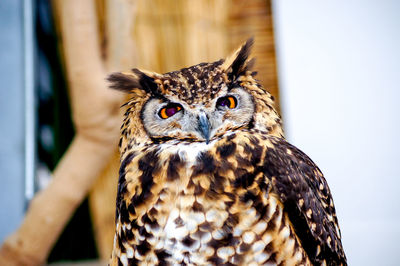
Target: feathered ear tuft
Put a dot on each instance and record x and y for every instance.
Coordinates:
(129, 82)
(238, 63)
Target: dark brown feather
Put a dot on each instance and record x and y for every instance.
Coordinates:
(239, 65)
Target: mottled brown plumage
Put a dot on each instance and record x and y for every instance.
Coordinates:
(207, 178)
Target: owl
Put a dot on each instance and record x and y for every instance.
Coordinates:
(207, 177)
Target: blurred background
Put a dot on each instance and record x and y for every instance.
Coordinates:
(333, 66)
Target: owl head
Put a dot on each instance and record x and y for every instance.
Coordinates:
(199, 103)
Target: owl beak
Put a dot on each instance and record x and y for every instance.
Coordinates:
(204, 126)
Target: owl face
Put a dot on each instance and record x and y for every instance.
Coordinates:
(172, 117)
(198, 103)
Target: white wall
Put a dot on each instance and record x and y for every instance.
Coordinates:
(339, 71)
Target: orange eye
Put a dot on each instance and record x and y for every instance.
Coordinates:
(228, 101)
(169, 110)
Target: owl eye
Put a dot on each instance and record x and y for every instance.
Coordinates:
(228, 101)
(169, 110)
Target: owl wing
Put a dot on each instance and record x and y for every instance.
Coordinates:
(306, 197)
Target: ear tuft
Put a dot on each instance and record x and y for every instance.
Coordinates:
(238, 62)
(123, 82)
(146, 82)
(128, 82)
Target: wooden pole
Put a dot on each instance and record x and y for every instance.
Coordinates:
(97, 120)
